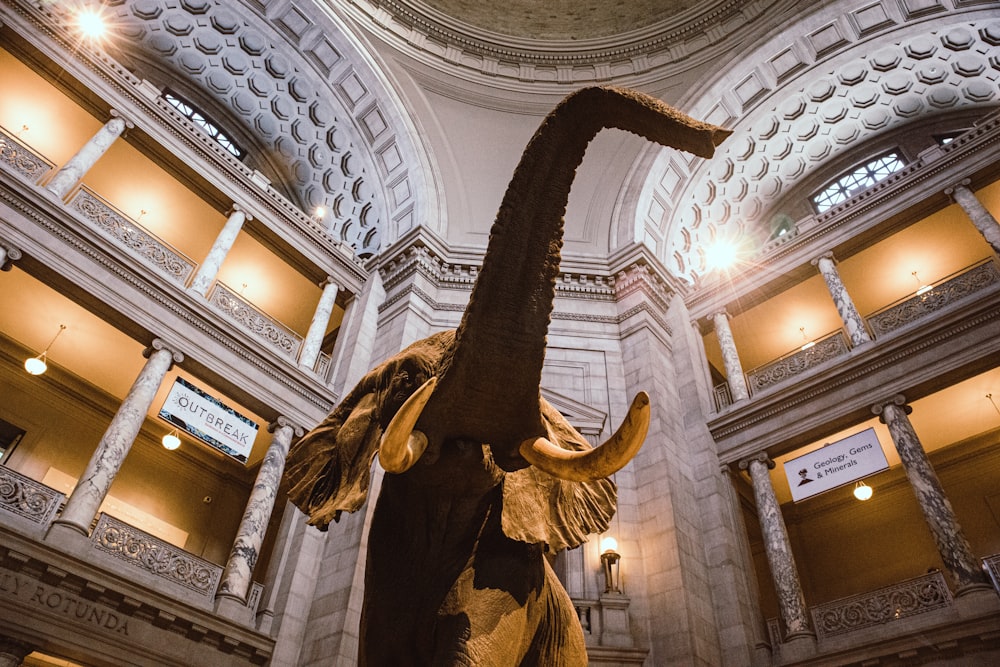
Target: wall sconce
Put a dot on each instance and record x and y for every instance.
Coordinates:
(171, 440)
(38, 365)
(808, 343)
(610, 560)
(922, 288)
(862, 491)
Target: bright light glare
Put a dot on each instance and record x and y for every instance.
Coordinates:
(720, 255)
(171, 441)
(91, 23)
(35, 365)
(862, 491)
(609, 544)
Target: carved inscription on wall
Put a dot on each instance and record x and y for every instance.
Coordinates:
(68, 607)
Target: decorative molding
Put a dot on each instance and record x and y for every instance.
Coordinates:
(19, 157)
(27, 498)
(155, 556)
(255, 321)
(132, 236)
(919, 306)
(885, 605)
(798, 362)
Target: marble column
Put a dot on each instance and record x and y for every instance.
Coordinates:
(86, 498)
(778, 549)
(964, 568)
(730, 357)
(8, 256)
(209, 268)
(320, 321)
(80, 164)
(980, 217)
(842, 300)
(13, 652)
(236, 577)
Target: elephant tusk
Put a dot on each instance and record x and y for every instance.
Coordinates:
(600, 462)
(401, 445)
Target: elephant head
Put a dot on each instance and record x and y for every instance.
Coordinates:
(479, 386)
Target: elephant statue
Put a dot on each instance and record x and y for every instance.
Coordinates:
(484, 479)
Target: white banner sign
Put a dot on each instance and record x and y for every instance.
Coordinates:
(835, 464)
(210, 420)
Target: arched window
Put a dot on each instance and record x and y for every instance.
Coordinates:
(856, 180)
(201, 120)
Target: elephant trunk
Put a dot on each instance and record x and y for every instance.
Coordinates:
(495, 370)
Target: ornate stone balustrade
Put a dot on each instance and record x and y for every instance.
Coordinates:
(797, 362)
(22, 159)
(903, 600)
(255, 321)
(131, 236)
(27, 498)
(155, 556)
(952, 289)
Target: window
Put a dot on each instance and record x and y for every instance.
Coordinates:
(201, 120)
(859, 178)
(10, 435)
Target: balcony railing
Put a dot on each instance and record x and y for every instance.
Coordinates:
(954, 288)
(830, 346)
(254, 320)
(142, 550)
(27, 498)
(128, 234)
(26, 162)
(892, 603)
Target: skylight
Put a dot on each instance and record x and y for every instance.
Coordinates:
(859, 178)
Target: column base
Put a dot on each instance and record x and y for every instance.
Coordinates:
(975, 600)
(68, 537)
(798, 646)
(234, 608)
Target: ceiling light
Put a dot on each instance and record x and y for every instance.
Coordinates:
(171, 440)
(38, 365)
(862, 491)
(922, 289)
(808, 343)
(91, 23)
(721, 255)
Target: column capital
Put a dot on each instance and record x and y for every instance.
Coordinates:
(159, 344)
(329, 280)
(11, 255)
(760, 457)
(826, 255)
(898, 399)
(964, 183)
(283, 422)
(239, 208)
(115, 113)
(722, 311)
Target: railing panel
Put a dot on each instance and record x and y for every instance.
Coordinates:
(905, 599)
(27, 498)
(913, 308)
(798, 362)
(992, 565)
(133, 546)
(255, 321)
(26, 162)
(131, 236)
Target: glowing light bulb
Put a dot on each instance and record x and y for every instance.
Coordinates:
(91, 23)
(862, 491)
(171, 440)
(36, 365)
(609, 544)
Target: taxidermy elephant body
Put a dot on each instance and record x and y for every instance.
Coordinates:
(484, 478)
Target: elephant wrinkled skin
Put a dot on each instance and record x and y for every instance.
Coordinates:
(484, 478)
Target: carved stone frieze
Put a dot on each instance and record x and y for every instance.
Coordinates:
(255, 321)
(27, 498)
(30, 165)
(918, 306)
(153, 555)
(131, 236)
(892, 603)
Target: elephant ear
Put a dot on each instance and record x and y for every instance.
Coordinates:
(541, 509)
(329, 470)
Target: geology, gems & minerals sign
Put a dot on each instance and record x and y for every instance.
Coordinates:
(835, 464)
